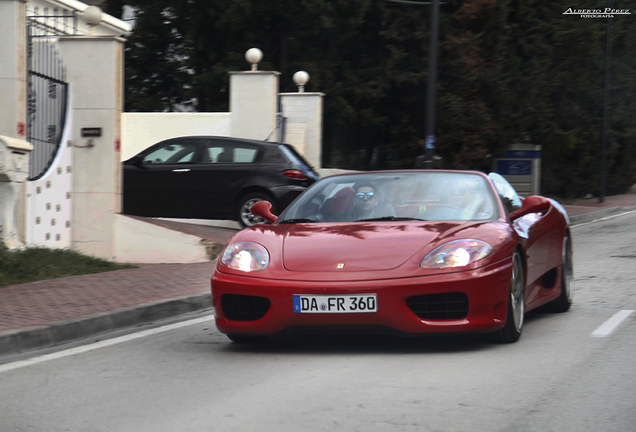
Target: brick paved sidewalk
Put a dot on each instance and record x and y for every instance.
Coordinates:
(45, 313)
(620, 202)
(59, 299)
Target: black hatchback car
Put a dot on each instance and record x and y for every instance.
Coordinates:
(209, 177)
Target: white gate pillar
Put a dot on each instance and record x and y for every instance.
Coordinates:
(254, 101)
(13, 116)
(13, 68)
(14, 169)
(303, 116)
(94, 66)
(253, 104)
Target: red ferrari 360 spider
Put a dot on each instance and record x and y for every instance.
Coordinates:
(406, 252)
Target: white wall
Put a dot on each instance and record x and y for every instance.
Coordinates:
(141, 130)
(49, 199)
(253, 107)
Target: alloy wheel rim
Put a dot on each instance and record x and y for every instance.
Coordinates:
(516, 293)
(246, 213)
(568, 271)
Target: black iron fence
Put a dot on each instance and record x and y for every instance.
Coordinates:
(47, 90)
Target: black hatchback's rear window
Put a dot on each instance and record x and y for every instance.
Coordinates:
(293, 156)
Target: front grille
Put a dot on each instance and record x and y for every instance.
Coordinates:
(443, 306)
(244, 307)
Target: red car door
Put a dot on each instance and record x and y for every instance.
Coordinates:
(543, 253)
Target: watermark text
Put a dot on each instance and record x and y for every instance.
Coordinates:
(597, 13)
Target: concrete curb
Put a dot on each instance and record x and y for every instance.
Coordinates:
(599, 214)
(55, 333)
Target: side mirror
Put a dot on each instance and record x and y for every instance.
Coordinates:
(264, 209)
(532, 204)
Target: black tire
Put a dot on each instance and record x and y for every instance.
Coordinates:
(564, 301)
(246, 339)
(244, 216)
(511, 332)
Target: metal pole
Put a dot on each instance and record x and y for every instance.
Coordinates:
(431, 86)
(606, 102)
(427, 159)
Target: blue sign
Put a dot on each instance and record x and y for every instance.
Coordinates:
(514, 167)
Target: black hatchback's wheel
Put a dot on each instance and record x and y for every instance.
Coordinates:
(564, 301)
(511, 332)
(245, 216)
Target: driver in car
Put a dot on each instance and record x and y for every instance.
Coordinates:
(367, 204)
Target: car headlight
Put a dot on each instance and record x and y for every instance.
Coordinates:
(245, 256)
(458, 253)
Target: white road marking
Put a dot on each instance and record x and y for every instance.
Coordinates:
(101, 344)
(603, 219)
(611, 324)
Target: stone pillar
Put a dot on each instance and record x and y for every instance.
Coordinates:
(13, 118)
(14, 169)
(254, 104)
(13, 68)
(94, 67)
(303, 124)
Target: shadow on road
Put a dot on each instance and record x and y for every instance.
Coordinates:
(378, 344)
(364, 344)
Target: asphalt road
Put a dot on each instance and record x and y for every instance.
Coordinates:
(569, 372)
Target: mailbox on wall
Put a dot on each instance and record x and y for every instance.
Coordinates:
(521, 166)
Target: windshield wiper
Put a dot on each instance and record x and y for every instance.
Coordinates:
(390, 218)
(298, 220)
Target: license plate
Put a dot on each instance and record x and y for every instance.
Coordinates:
(340, 303)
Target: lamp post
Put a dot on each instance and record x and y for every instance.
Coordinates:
(427, 160)
(430, 88)
(606, 101)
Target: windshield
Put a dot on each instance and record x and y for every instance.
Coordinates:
(393, 195)
(508, 195)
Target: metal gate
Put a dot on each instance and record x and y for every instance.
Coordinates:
(47, 90)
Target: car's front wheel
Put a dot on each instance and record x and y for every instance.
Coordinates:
(245, 216)
(511, 332)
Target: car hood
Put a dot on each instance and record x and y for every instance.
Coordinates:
(359, 246)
